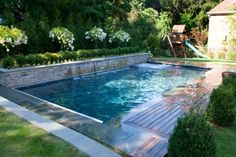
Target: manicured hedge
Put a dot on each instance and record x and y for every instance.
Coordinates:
(50, 58)
(222, 106)
(192, 137)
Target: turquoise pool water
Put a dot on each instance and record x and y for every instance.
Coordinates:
(108, 96)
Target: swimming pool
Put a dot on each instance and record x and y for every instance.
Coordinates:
(108, 96)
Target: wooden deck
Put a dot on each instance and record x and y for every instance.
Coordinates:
(161, 118)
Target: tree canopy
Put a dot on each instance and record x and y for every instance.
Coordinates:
(139, 18)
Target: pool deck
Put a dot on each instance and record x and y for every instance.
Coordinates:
(145, 131)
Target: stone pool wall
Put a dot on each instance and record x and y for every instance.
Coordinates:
(33, 75)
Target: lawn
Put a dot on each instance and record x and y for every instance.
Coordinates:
(226, 141)
(201, 60)
(20, 138)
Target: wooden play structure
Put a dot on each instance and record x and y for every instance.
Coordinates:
(176, 40)
(179, 42)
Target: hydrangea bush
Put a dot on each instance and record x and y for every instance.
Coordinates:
(63, 36)
(11, 37)
(120, 36)
(95, 34)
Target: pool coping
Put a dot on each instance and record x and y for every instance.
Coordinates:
(82, 142)
(64, 108)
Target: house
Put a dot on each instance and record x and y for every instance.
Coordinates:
(219, 26)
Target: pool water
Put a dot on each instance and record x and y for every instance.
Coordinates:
(108, 96)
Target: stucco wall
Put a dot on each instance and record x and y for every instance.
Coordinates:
(219, 33)
(33, 75)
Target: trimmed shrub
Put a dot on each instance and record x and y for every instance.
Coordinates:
(39, 59)
(69, 56)
(20, 60)
(74, 55)
(8, 62)
(230, 82)
(221, 109)
(53, 57)
(192, 137)
(31, 59)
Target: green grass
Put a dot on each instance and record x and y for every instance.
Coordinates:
(200, 60)
(226, 141)
(20, 138)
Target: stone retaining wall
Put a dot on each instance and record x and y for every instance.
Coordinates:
(33, 75)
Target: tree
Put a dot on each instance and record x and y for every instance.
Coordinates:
(194, 10)
(38, 17)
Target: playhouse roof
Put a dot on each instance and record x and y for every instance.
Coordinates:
(178, 29)
(225, 7)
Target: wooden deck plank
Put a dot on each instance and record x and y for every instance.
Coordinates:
(158, 119)
(171, 128)
(147, 146)
(142, 113)
(167, 125)
(147, 113)
(151, 144)
(157, 148)
(162, 152)
(164, 123)
(152, 116)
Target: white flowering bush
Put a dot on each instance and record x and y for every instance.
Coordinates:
(11, 37)
(120, 36)
(63, 36)
(95, 34)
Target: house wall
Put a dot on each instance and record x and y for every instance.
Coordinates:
(219, 33)
(40, 74)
